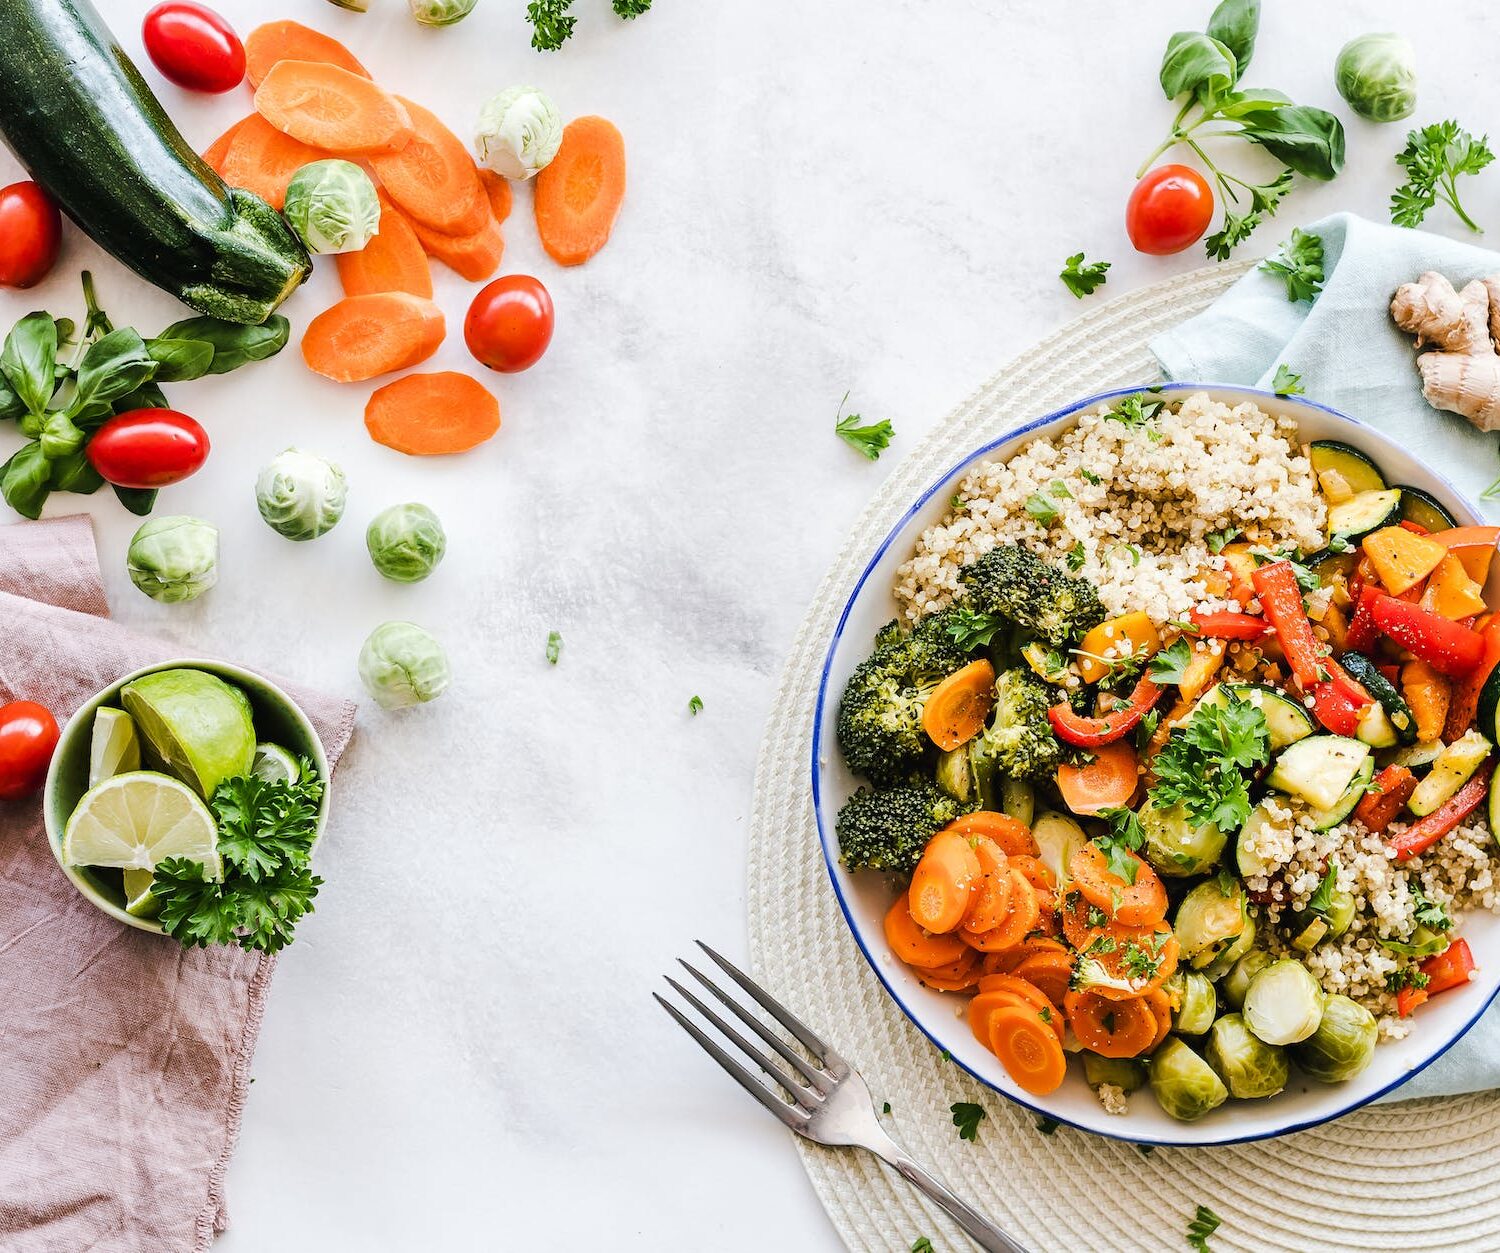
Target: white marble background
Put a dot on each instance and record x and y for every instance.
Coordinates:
(460, 1051)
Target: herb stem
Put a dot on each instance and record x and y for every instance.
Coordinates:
(1450, 184)
(1174, 136)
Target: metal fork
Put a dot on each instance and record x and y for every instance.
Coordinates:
(829, 1102)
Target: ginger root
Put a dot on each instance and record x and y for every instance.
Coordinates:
(1462, 374)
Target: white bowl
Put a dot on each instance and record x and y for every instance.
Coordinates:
(865, 896)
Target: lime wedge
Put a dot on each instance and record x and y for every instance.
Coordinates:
(115, 747)
(275, 765)
(139, 903)
(195, 726)
(138, 819)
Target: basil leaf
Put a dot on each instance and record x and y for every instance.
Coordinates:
(66, 330)
(139, 500)
(10, 403)
(75, 473)
(1194, 62)
(1308, 140)
(1238, 103)
(27, 360)
(24, 480)
(1235, 24)
(60, 437)
(113, 366)
(180, 360)
(147, 396)
(233, 345)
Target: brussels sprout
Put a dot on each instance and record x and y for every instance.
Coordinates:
(441, 12)
(955, 774)
(1237, 982)
(1185, 1085)
(519, 132)
(300, 495)
(1283, 1003)
(333, 207)
(1196, 1002)
(174, 559)
(1057, 838)
(1175, 846)
(1342, 1045)
(1126, 1073)
(1210, 919)
(1422, 942)
(1224, 962)
(1340, 913)
(1249, 1067)
(406, 542)
(401, 664)
(1018, 799)
(1377, 75)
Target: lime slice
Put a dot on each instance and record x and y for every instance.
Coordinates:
(138, 819)
(139, 903)
(275, 765)
(194, 725)
(115, 747)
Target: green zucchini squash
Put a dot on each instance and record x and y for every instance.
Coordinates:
(86, 126)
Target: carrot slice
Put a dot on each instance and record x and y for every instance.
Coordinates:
(292, 41)
(944, 883)
(957, 708)
(474, 257)
(363, 336)
(331, 108)
(261, 159)
(991, 900)
(1031, 1054)
(1011, 834)
(1050, 972)
(1006, 960)
(427, 415)
(1106, 781)
(499, 193)
(392, 261)
(1110, 1028)
(1139, 904)
(913, 945)
(1161, 1008)
(578, 195)
(992, 988)
(214, 154)
(433, 178)
(1037, 873)
(1021, 917)
(957, 976)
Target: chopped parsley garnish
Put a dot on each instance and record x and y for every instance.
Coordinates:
(885, 1108)
(971, 629)
(966, 1117)
(1218, 539)
(1041, 508)
(1169, 665)
(957, 503)
(1321, 901)
(1205, 1223)
(1429, 913)
(1047, 1125)
(1135, 411)
(1119, 845)
(921, 1245)
(1299, 265)
(1406, 977)
(1138, 963)
(869, 440)
(695, 706)
(1083, 278)
(1287, 381)
(1076, 557)
(1147, 728)
(1208, 766)
(554, 646)
(1088, 476)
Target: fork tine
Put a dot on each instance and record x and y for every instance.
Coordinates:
(798, 1091)
(776, 1009)
(814, 1076)
(789, 1114)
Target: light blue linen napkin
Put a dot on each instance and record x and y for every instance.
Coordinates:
(1351, 356)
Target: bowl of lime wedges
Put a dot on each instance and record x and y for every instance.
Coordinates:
(197, 772)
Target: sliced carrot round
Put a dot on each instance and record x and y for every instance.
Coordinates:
(913, 945)
(475, 257)
(957, 976)
(1139, 904)
(1161, 1007)
(497, 189)
(362, 336)
(578, 195)
(332, 108)
(958, 707)
(1031, 1054)
(1027, 994)
(259, 158)
(392, 261)
(1011, 834)
(429, 415)
(214, 154)
(1110, 1028)
(1108, 780)
(1021, 917)
(292, 41)
(1037, 873)
(433, 178)
(944, 883)
(1049, 972)
(991, 900)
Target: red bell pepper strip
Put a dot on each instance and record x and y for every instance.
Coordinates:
(1281, 598)
(1446, 646)
(1452, 968)
(1426, 832)
(1393, 787)
(1416, 528)
(1363, 633)
(1465, 700)
(1334, 708)
(1346, 684)
(1228, 625)
(1085, 732)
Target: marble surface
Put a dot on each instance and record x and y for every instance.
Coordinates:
(460, 1051)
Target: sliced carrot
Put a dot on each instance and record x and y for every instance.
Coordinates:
(1118, 949)
(578, 195)
(214, 154)
(261, 159)
(292, 41)
(1003, 962)
(944, 882)
(1036, 872)
(433, 178)
(392, 261)
(1106, 781)
(1049, 972)
(991, 900)
(958, 707)
(1026, 994)
(363, 336)
(474, 257)
(428, 415)
(1021, 918)
(1160, 950)
(1161, 1008)
(1110, 1028)
(331, 108)
(913, 945)
(1011, 834)
(958, 976)
(499, 193)
(1139, 904)
(1031, 1054)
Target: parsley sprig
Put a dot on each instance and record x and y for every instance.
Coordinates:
(1119, 844)
(551, 24)
(1083, 278)
(869, 440)
(1287, 381)
(1434, 158)
(1206, 768)
(1205, 1222)
(971, 629)
(966, 1117)
(1299, 265)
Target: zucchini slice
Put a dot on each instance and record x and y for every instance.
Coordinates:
(1420, 507)
(1362, 670)
(1416, 756)
(1488, 714)
(1365, 512)
(1449, 772)
(1286, 720)
(1246, 858)
(1326, 563)
(1356, 469)
(1320, 769)
(1350, 797)
(1375, 727)
(1495, 804)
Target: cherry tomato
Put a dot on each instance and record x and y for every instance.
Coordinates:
(28, 734)
(1169, 209)
(509, 325)
(193, 47)
(30, 231)
(148, 448)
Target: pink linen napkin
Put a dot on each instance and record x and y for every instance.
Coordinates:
(124, 1058)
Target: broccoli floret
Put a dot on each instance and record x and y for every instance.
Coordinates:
(1019, 585)
(888, 830)
(1018, 741)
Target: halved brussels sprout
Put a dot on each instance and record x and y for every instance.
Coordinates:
(1422, 942)
(332, 206)
(1248, 1066)
(1185, 1085)
(1057, 837)
(1377, 75)
(1342, 1045)
(1126, 1073)
(519, 132)
(955, 774)
(1018, 799)
(1196, 1002)
(1175, 846)
(1283, 1003)
(1237, 982)
(1210, 919)
(440, 12)
(1224, 962)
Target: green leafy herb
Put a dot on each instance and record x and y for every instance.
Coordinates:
(551, 26)
(1171, 663)
(1146, 728)
(1135, 411)
(1041, 508)
(1124, 837)
(1299, 265)
(1083, 279)
(921, 1245)
(1287, 382)
(1429, 913)
(1089, 476)
(630, 8)
(966, 1117)
(1205, 1223)
(885, 1108)
(1434, 158)
(554, 646)
(1218, 539)
(1047, 1125)
(1138, 963)
(1406, 977)
(1321, 901)
(957, 503)
(971, 629)
(1208, 766)
(695, 706)
(870, 440)
(1076, 557)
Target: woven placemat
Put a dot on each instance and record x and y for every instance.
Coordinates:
(1420, 1175)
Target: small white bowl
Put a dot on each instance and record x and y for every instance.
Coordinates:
(865, 896)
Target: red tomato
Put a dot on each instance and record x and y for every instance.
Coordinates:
(28, 734)
(509, 325)
(193, 46)
(1169, 209)
(148, 448)
(30, 231)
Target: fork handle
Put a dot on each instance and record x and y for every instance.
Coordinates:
(979, 1228)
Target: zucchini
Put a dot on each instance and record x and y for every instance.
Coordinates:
(1286, 720)
(1487, 715)
(1356, 469)
(1419, 507)
(1319, 769)
(1362, 670)
(1248, 861)
(1365, 512)
(1349, 798)
(1494, 810)
(1375, 727)
(82, 121)
(1449, 772)
(1416, 756)
(1327, 563)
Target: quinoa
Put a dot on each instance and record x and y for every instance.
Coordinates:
(1140, 533)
